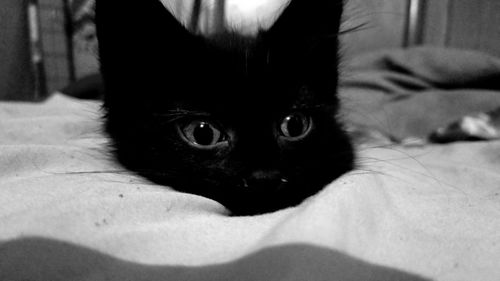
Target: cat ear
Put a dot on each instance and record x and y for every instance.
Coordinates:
(136, 19)
(129, 30)
(308, 19)
(304, 42)
(142, 48)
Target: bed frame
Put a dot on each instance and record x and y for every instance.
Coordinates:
(383, 24)
(461, 24)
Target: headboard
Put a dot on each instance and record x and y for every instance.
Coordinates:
(374, 24)
(461, 24)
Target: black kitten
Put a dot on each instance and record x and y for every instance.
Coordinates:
(248, 121)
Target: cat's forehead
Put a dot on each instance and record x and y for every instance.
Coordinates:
(242, 75)
(244, 99)
(251, 61)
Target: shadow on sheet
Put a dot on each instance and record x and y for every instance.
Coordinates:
(30, 258)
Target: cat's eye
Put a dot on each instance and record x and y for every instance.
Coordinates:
(203, 134)
(295, 126)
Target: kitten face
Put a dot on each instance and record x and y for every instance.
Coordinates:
(247, 121)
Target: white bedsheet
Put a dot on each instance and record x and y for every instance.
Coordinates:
(428, 213)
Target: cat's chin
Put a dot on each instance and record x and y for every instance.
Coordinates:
(243, 198)
(258, 201)
(260, 204)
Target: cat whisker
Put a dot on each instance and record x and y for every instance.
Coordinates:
(245, 183)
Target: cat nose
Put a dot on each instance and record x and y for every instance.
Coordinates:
(266, 180)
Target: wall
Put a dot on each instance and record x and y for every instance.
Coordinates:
(19, 79)
(16, 73)
(463, 24)
(54, 43)
(382, 24)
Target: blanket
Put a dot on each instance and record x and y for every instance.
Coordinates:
(68, 212)
(413, 92)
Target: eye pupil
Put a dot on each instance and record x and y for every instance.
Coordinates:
(295, 126)
(204, 134)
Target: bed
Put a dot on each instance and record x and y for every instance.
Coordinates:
(413, 209)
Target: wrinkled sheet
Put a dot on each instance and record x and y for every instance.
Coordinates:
(67, 212)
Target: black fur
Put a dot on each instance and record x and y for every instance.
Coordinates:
(158, 77)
